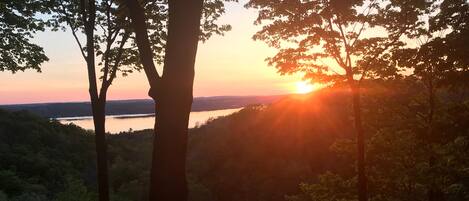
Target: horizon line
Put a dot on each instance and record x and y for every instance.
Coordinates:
(138, 99)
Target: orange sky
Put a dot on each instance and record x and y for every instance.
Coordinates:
(229, 65)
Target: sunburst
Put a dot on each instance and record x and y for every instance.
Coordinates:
(304, 87)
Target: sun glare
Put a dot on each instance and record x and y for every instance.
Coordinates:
(304, 87)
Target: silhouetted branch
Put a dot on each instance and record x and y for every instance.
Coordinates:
(73, 29)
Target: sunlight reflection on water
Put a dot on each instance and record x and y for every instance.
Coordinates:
(119, 123)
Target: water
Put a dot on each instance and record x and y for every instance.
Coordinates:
(119, 123)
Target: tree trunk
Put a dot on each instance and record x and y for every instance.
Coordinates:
(98, 105)
(429, 142)
(173, 103)
(172, 93)
(168, 173)
(99, 117)
(434, 193)
(98, 102)
(362, 180)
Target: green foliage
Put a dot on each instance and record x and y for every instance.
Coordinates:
(410, 122)
(45, 160)
(29, 197)
(3, 196)
(75, 190)
(264, 152)
(34, 151)
(216, 172)
(130, 162)
(330, 187)
(260, 152)
(18, 22)
(403, 160)
(198, 191)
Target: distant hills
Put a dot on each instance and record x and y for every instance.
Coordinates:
(138, 106)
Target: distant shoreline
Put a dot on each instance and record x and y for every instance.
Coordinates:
(75, 110)
(127, 116)
(119, 116)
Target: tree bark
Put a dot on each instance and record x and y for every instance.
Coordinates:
(97, 103)
(172, 93)
(356, 102)
(362, 180)
(173, 105)
(99, 117)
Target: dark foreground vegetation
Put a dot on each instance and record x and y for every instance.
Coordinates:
(299, 148)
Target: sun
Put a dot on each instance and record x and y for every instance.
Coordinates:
(304, 87)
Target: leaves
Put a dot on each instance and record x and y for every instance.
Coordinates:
(18, 22)
(398, 148)
(359, 36)
(115, 47)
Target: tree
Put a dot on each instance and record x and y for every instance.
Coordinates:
(172, 93)
(452, 17)
(75, 191)
(18, 23)
(339, 42)
(150, 23)
(397, 152)
(109, 45)
(116, 50)
(433, 71)
(438, 62)
(437, 59)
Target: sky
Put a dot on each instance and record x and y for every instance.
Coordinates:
(233, 64)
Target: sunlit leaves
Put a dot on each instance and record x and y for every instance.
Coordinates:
(359, 36)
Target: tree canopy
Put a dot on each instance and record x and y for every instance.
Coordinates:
(326, 39)
(19, 21)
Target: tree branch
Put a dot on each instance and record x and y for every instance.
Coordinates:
(336, 50)
(110, 38)
(348, 61)
(89, 30)
(375, 56)
(73, 29)
(137, 14)
(117, 60)
(363, 25)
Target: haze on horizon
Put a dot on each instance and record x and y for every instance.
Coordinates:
(226, 65)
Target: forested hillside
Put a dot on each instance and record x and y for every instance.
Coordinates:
(299, 148)
(39, 158)
(264, 152)
(226, 161)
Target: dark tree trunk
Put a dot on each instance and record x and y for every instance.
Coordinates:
(434, 193)
(97, 103)
(99, 118)
(174, 101)
(168, 173)
(356, 104)
(362, 181)
(172, 93)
